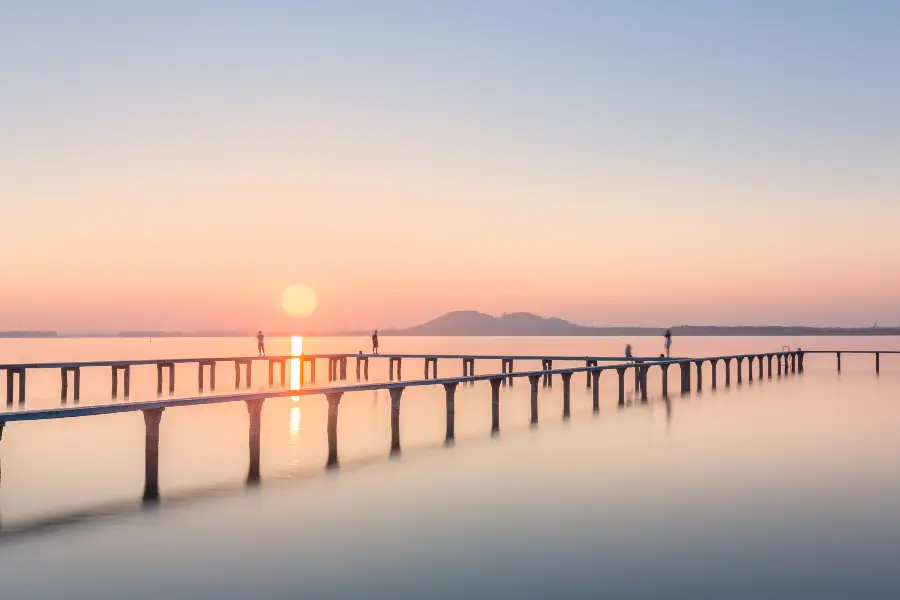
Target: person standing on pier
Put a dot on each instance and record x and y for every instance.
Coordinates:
(628, 354)
(260, 343)
(668, 342)
(375, 342)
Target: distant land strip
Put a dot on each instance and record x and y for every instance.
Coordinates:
(476, 324)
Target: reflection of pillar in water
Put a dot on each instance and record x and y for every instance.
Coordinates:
(685, 377)
(495, 405)
(643, 373)
(533, 380)
(152, 418)
(254, 408)
(450, 391)
(334, 401)
(621, 372)
(699, 375)
(396, 394)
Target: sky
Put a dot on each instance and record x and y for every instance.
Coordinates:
(178, 164)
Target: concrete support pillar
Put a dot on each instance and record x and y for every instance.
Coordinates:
(170, 367)
(760, 360)
(282, 365)
(534, 380)
(589, 374)
(254, 408)
(685, 377)
(434, 363)
(877, 363)
(391, 362)
(779, 357)
(152, 418)
(2, 425)
(839, 362)
(699, 364)
(212, 375)
(642, 371)
(727, 372)
(11, 375)
(621, 372)
(740, 369)
(126, 384)
(495, 405)
(595, 392)
(506, 366)
(468, 367)
(637, 379)
(396, 394)
(450, 394)
(794, 362)
(567, 396)
(800, 362)
(76, 383)
(665, 380)
(750, 368)
(715, 367)
(344, 368)
(362, 361)
(769, 360)
(334, 402)
(248, 371)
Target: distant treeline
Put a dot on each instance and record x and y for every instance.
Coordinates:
(28, 334)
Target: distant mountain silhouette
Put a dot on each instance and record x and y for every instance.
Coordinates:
(474, 323)
(470, 322)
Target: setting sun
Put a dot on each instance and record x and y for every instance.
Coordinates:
(299, 300)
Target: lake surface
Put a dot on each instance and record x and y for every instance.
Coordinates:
(782, 488)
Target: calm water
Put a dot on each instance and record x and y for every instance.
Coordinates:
(781, 488)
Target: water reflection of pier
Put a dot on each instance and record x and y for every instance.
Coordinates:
(781, 363)
(778, 364)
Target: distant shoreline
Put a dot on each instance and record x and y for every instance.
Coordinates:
(689, 331)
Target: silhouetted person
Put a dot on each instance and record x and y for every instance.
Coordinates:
(628, 354)
(260, 343)
(375, 342)
(668, 342)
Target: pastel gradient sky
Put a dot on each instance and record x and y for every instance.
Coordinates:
(177, 164)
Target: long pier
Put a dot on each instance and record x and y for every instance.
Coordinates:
(786, 363)
(337, 369)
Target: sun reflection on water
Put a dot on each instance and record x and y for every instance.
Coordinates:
(296, 350)
(295, 421)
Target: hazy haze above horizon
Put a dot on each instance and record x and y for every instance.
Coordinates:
(176, 165)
